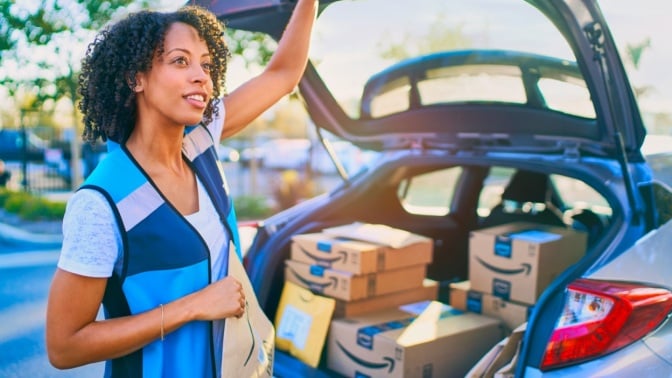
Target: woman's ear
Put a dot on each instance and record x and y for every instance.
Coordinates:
(139, 83)
(134, 81)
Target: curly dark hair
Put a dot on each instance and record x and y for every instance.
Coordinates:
(122, 50)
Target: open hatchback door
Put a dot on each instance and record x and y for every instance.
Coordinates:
(458, 97)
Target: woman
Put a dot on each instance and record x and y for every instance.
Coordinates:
(147, 233)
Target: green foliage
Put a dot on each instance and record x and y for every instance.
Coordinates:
(255, 48)
(4, 194)
(34, 207)
(31, 207)
(439, 37)
(292, 188)
(252, 207)
(32, 38)
(634, 51)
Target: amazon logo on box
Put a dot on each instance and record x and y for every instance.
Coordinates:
(517, 261)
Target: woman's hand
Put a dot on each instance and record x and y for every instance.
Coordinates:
(221, 299)
(75, 337)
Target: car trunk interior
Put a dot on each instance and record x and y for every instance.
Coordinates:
(380, 202)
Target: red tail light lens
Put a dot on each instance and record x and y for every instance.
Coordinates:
(601, 317)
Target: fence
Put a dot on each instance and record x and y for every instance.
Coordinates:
(44, 164)
(38, 159)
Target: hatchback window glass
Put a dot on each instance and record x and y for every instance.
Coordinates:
(577, 195)
(429, 193)
(573, 194)
(493, 187)
(394, 100)
(567, 97)
(472, 83)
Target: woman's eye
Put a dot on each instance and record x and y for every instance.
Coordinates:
(207, 66)
(180, 61)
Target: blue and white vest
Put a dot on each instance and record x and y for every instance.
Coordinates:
(164, 257)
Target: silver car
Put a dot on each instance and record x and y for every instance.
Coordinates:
(483, 113)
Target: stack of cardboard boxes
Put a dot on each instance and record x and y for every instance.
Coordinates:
(511, 265)
(364, 267)
(387, 321)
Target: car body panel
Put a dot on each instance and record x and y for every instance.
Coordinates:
(12, 146)
(640, 265)
(637, 360)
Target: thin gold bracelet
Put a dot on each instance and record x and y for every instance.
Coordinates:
(162, 334)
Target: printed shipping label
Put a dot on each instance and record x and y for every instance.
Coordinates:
(295, 326)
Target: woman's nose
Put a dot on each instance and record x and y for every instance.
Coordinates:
(200, 74)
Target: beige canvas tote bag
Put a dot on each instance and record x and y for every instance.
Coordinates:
(249, 342)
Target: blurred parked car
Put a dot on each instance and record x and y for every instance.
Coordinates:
(92, 154)
(491, 121)
(59, 158)
(351, 158)
(285, 153)
(227, 154)
(251, 154)
(12, 148)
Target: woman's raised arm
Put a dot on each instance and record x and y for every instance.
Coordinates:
(279, 78)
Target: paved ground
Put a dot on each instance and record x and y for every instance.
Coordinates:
(17, 234)
(40, 227)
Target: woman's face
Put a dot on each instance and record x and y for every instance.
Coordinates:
(177, 88)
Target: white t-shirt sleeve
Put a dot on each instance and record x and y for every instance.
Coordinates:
(91, 240)
(217, 125)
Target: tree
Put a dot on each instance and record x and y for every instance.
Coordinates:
(634, 54)
(438, 38)
(254, 48)
(41, 44)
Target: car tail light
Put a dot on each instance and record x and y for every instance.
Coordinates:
(601, 317)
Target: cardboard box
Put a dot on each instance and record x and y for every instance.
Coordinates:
(427, 292)
(337, 253)
(343, 251)
(377, 233)
(349, 286)
(517, 261)
(426, 339)
(510, 313)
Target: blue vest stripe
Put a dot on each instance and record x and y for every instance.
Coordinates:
(165, 355)
(147, 290)
(121, 186)
(154, 251)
